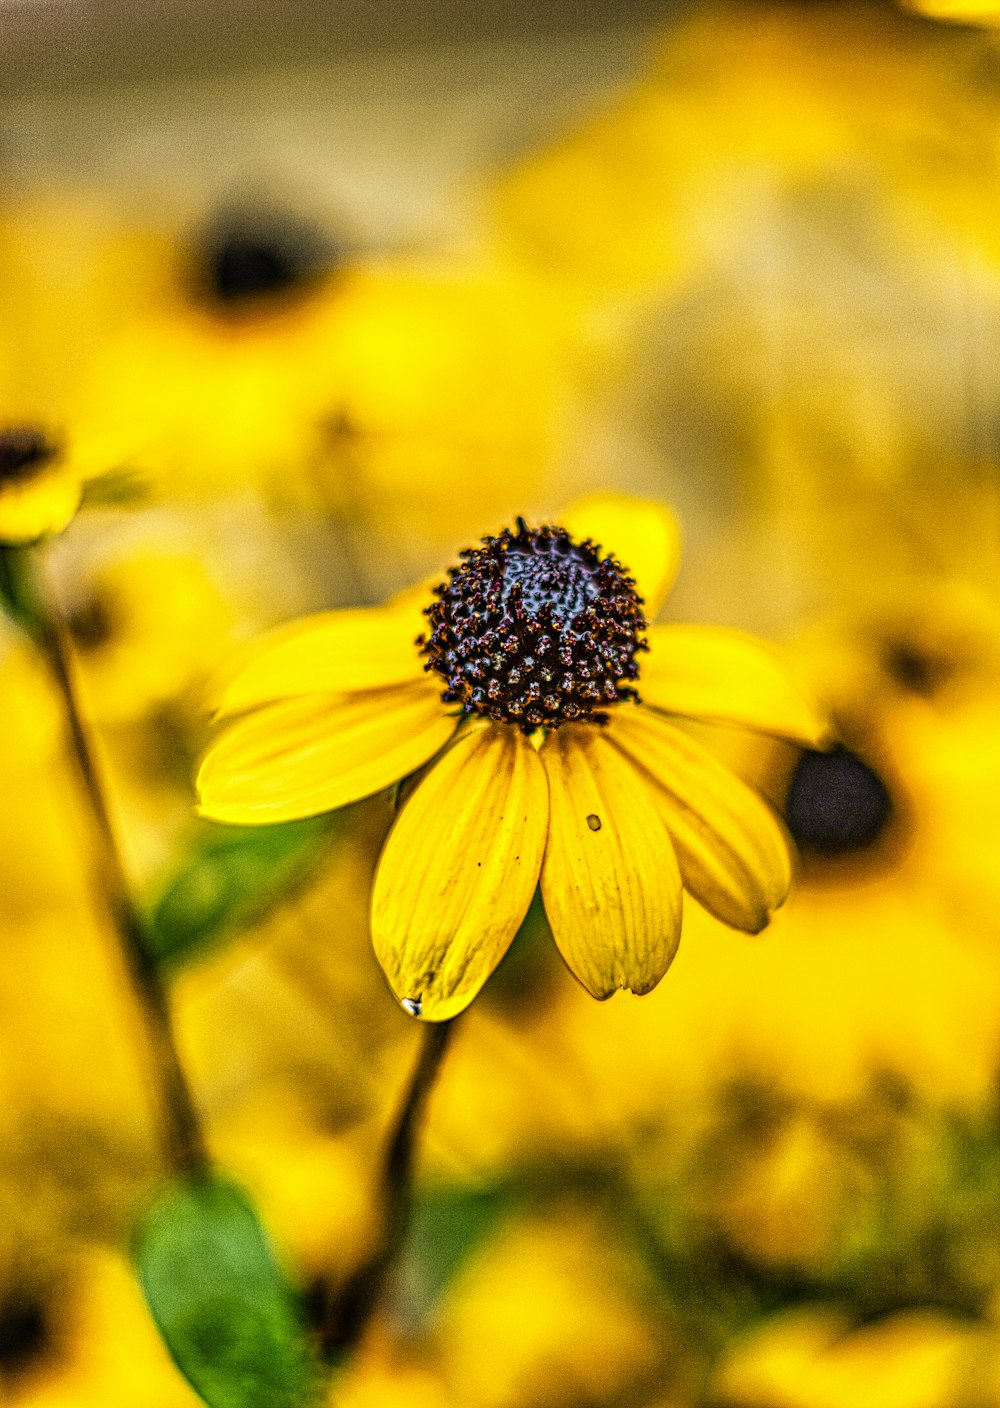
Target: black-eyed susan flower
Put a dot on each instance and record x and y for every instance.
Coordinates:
(520, 674)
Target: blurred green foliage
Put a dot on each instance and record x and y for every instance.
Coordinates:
(229, 1318)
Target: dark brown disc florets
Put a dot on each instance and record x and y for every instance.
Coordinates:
(24, 452)
(536, 629)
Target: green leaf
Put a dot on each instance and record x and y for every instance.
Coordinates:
(232, 878)
(227, 1315)
(18, 595)
(121, 488)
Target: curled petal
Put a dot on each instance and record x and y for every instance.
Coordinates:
(610, 881)
(459, 869)
(332, 652)
(642, 534)
(725, 676)
(730, 847)
(304, 756)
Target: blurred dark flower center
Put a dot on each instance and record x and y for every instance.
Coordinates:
(249, 258)
(836, 803)
(245, 266)
(24, 452)
(535, 629)
(917, 671)
(94, 622)
(24, 1336)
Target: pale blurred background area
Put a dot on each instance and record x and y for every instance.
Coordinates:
(373, 113)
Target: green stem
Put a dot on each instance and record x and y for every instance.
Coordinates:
(346, 1316)
(179, 1122)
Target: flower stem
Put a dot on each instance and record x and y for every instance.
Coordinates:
(346, 1316)
(184, 1142)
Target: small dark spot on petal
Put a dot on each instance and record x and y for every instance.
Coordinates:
(594, 821)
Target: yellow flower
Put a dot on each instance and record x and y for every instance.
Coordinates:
(550, 770)
(815, 1357)
(70, 278)
(90, 1342)
(145, 625)
(378, 387)
(39, 491)
(961, 11)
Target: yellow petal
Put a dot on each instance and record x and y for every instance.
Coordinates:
(304, 756)
(724, 676)
(642, 534)
(459, 870)
(332, 652)
(610, 881)
(39, 506)
(729, 844)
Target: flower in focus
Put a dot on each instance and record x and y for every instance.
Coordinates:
(521, 674)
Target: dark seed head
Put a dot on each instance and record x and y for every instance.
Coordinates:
(536, 629)
(837, 805)
(24, 452)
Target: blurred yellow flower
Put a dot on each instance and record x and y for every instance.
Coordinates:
(536, 638)
(962, 11)
(814, 1357)
(70, 278)
(95, 1345)
(39, 492)
(148, 627)
(388, 394)
(72, 275)
(553, 1310)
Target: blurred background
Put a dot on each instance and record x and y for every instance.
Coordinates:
(317, 296)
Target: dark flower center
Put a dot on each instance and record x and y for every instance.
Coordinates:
(243, 257)
(536, 629)
(24, 452)
(24, 1336)
(94, 623)
(836, 804)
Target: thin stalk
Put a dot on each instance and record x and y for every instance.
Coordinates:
(183, 1139)
(350, 1309)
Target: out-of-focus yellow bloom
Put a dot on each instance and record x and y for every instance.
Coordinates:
(394, 395)
(534, 637)
(552, 1311)
(816, 1358)
(68, 1052)
(39, 492)
(148, 627)
(98, 1347)
(741, 102)
(441, 393)
(962, 11)
(71, 276)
